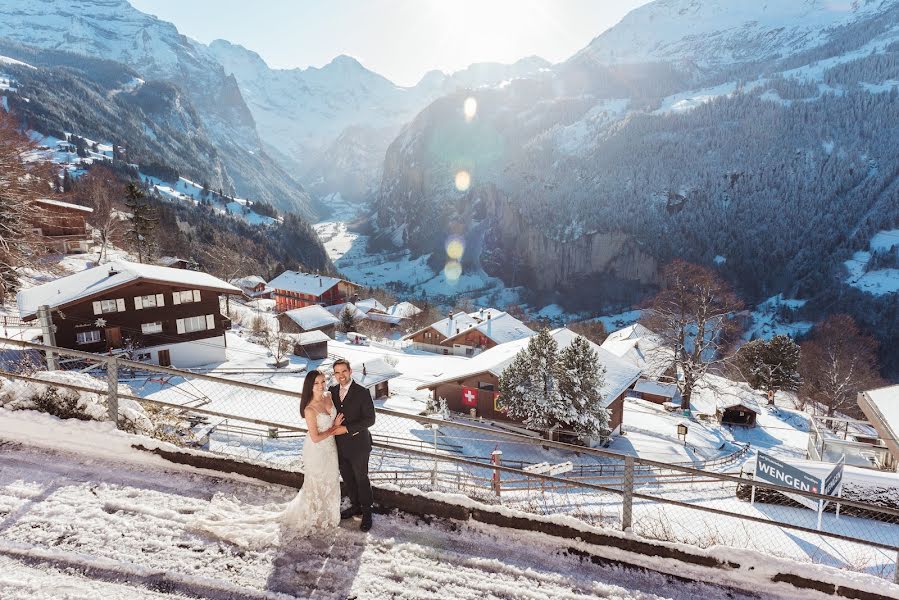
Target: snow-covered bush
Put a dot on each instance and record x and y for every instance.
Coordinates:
(57, 398)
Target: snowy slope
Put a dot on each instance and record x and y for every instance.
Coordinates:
(89, 524)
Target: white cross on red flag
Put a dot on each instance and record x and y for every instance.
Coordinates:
(469, 396)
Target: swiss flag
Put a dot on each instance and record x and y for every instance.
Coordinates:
(469, 396)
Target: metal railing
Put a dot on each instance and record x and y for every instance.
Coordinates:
(652, 499)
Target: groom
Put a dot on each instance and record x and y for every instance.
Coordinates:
(354, 440)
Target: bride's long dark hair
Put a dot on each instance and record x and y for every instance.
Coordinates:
(306, 396)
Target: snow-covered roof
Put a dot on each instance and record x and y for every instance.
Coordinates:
(641, 347)
(501, 327)
(106, 277)
(248, 282)
(167, 261)
(64, 204)
(337, 310)
(881, 406)
(619, 373)
(311, 337)
(372, 372)
(457, 324)
(714, 392)
(656, 388)
(311, 317)
(373, 316)
(403, 310)
(370, 304)
(303, 283)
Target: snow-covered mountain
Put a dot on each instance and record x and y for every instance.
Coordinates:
(722, 32)
(114, 30)
(759, 133)
(334, 123)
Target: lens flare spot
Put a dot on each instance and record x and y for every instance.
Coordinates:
(463, 181)
(452, 270)
(469, 108)
(455, 248)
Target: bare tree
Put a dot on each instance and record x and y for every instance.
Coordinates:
(838, 362)
(22, 180)
(692, 316)
(101, 189)
(279, 344)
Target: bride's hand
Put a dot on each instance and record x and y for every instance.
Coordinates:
(338, 421)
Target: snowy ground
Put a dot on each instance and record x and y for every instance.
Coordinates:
(879, 281)
(87, 517)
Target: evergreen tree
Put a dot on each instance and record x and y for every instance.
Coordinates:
(528, 388)
(142, 225)
(347, 320)
(772, 365)
(580, 379)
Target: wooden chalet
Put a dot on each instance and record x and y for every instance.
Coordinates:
(308, 318)
(62, 225)
(375, 376)
(728, 402)
(157, 314)
(312, 345)
(656, 392)
(474, 388)
(468, 334)
(253, 287)
(295, 289)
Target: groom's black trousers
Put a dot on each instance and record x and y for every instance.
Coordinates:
(355, 476)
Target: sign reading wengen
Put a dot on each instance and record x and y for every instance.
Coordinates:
(772, 470)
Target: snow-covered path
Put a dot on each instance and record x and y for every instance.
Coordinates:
(76, 527)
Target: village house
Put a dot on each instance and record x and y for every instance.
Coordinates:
(469, 334)
(728, 402)
(253, 287)
(160, 315)
(403, 310)
(294, 289)
(62, 225)
(312, 345)
(474, 388)
(656, 392)
(642, 348)
(374, 375)
(308, 318)
(174, 262)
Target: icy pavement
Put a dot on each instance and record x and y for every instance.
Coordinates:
(79, 527)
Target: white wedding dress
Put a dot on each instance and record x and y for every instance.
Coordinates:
(316, 507)
(314, 510)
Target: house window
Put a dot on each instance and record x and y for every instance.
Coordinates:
(151, 301)
(151, 327)
(186, 296)
(198, 323)
(485, 385)
(143, 356)
(87, 337)
(109, 306)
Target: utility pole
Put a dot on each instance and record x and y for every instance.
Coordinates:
(48, 332)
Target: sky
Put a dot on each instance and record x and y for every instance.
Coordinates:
(399, 39)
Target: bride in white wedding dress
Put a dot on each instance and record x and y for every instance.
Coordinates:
(315, 509)
(317, 506)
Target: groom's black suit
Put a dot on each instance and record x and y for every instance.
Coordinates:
(354, 446)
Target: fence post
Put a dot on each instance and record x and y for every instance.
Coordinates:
(627, 500)
(112, 395)
(496, 457)
(48, 333)
(896, 572)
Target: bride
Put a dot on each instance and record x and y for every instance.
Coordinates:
(317, 506)
(315, 509)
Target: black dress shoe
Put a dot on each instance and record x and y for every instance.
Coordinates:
(350, 512)
(366, 521)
